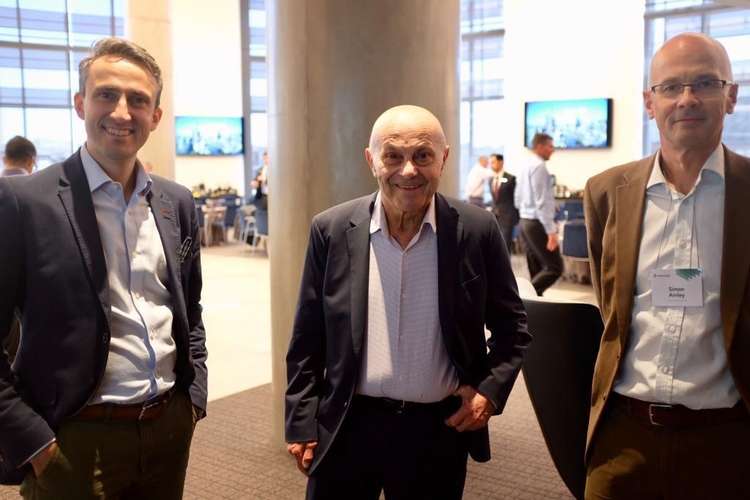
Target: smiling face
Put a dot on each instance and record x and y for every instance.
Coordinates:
(407, 154)
(688, 122)
(119, 110)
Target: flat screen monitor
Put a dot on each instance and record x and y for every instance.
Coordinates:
(208, 136)
(573, 124)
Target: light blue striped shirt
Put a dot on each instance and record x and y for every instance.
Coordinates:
(534, 197)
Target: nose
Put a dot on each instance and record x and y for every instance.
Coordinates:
(121, 111)
(687, 97)
(409, 169)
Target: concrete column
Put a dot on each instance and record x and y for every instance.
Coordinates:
(335, 66)
(149, 25)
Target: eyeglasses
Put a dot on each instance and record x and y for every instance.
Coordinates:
(700, 88)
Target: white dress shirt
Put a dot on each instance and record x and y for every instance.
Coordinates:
(478, 175)
(404, 354)
(533, 196)
(142, 351)
(676, 355)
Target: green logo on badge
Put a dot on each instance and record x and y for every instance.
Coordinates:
(688, 274)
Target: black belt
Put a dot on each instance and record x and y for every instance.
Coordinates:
(677, 416)
(148, 410)
(398, 407)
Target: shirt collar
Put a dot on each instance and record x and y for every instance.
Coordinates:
(11, 171)
(379, 222)
(714, 163)
(97, 177)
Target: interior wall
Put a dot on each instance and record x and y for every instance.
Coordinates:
(207, 82)
(570, 50)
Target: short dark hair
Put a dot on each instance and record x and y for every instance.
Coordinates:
(540, 138)
(19, 150)
(122, 49)
(497, 156)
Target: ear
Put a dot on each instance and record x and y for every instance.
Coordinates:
(732, 98)
(648, 103)
(446, 153)
(156, 118)
(370, 162)
(78, 104)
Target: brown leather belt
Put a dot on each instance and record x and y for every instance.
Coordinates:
(148, 410)
(677, 416)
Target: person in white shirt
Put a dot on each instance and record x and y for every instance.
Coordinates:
(668, 244)
(535, 201)
(476, 181)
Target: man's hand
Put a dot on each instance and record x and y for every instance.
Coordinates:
(552, 242)
(41, 460)
(304, 453)
(474, 413)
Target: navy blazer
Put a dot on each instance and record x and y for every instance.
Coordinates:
(53, 269)
(476, 288)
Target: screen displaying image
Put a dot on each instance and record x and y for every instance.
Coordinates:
(208, 136)
(573, 124)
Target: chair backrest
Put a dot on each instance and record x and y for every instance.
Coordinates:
(574, 242)
(558, 370)
(261, 222)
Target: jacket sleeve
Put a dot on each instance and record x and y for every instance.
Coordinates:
(305, 359)
(505, 318)
(197, 333)
(23, 432)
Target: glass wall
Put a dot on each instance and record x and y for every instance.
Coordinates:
(482, 103)
(41, 44)
(257, 121)
(731, 26)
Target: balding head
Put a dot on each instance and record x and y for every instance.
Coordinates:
(690, 47)
(406, 118)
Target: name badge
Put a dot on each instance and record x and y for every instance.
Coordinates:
(677, 287)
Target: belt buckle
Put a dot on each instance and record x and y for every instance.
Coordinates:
(400, 407)
(651, 415)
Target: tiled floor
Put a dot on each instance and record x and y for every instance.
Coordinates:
(233, 455)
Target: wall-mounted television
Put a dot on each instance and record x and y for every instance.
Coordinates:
(573, 124)
(208, 136)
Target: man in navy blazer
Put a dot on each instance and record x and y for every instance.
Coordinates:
(103, 262)
(391, 382)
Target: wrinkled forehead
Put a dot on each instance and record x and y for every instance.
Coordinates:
(411, 133)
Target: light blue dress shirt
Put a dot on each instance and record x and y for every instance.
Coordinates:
(533, 197)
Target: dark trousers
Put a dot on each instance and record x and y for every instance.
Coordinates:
(632, 459)
(506, 229)
(545, 267)
(409, 456)
(119, 460)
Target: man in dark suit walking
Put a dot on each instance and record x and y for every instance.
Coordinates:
(391, 383)
(503, 188)
(103, 262)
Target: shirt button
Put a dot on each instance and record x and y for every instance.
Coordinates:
(671, 328)
(665, 369)
(683, 244)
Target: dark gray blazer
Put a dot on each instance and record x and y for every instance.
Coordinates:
(53, 270)
(476, 288)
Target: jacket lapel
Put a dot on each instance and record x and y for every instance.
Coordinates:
(630, 201)
(75, 196)
(358, 246)
(449, 229)
(735, 260)
(169, 231)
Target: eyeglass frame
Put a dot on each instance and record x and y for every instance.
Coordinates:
(692, 84)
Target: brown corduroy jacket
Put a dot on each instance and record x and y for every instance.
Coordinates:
(614, 203)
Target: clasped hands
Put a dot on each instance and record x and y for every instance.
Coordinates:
(474, 413)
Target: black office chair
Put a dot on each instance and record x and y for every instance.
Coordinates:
(558, 369)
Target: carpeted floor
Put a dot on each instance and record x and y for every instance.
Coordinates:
(233, 456)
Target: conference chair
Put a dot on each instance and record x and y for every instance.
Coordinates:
(557, 370)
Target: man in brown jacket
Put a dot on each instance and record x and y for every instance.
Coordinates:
(668, 242)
